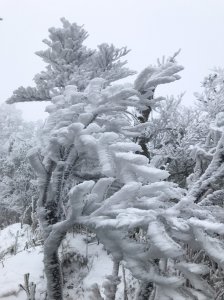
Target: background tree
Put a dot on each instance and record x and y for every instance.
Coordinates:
(70, 62)
(174, 129)
(16, 175)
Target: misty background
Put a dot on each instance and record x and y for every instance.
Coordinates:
(150, 28)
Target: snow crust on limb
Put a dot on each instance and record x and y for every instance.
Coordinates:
(179, 217)
(115, 156)
(69, 132)
(152, 76)
(97, 117)
(112, 211)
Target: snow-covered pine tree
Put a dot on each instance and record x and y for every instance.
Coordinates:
(80, 125)
(78, 122)
(69, 61)
(77, 117)
(95, 124)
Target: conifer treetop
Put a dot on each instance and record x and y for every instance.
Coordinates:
(69, 61)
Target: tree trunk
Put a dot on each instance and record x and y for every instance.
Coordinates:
(54, 277)
(145, 288)
(116, 278)
(52, 266)
(125, 284)
(112, 282)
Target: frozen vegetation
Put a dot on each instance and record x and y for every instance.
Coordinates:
(119, 194)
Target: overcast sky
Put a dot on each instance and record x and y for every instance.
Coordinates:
(151, 28)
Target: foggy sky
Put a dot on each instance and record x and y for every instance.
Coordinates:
(151, 28)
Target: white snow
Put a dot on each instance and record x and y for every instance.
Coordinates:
(8, 238)
(12, 271)
(14, 267)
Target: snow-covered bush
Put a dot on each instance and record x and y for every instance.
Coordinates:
(173, 131)
(16, 174)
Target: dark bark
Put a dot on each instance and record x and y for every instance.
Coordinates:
(143, 143)
(54, 277)
(143, 118)
(53, 239)
(52, 267)
(116, 278)
(51, 200)
(145, 290)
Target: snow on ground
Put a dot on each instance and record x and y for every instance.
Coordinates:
(99, 263)
(86, 265)
(16, 261)
(99, 266)
(8, 238)
(12, 271)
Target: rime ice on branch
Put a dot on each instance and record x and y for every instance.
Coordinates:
(70, 62)
(94, 126)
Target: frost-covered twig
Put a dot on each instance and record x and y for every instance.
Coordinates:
(29, 287)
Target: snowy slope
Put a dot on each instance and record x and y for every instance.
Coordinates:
(9, 235)
(12, 271)
(16, 260)
(95, 271)
(84, 265)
